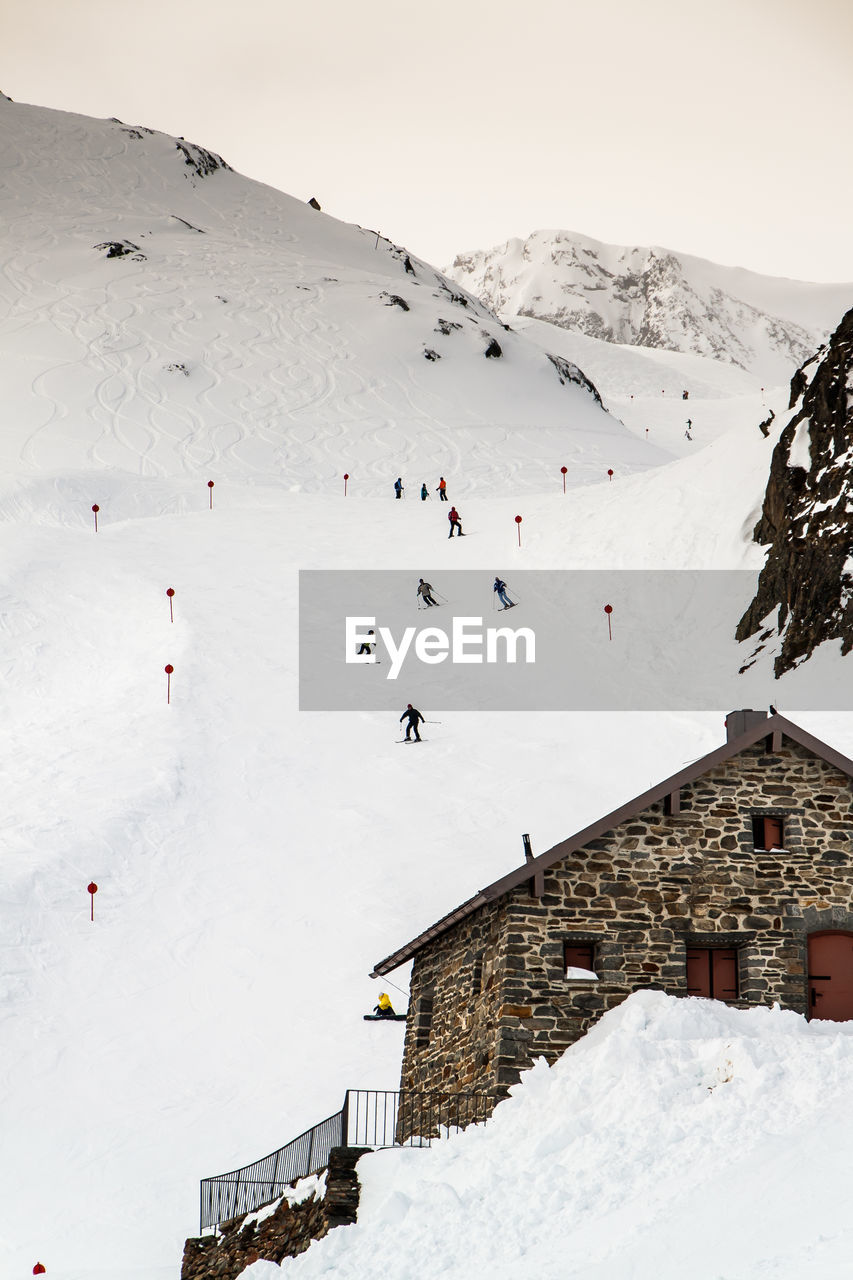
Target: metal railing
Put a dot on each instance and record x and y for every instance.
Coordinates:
(369, 1118)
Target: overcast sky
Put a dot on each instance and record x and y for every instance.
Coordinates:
(721, 129)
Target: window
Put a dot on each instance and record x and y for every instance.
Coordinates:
(712, 972)
(579, 960)
(767, 832)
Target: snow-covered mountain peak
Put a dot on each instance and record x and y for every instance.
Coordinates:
(656, 297)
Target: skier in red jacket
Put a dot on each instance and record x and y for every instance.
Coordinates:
(455, 522)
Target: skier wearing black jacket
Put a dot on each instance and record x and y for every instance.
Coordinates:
(414, 718)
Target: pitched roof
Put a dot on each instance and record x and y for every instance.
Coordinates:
(771, 726)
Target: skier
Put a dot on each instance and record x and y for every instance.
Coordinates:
(398, 487)
(413, 717)
(384, 1008)
(425, 590)
(424, 492)
(687, 434)
(455, 522)
(366, 645)
(442, 488)
(500, 588)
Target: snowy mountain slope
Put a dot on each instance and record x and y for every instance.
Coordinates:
(253, 862)
(643, 387)
(255, 333)
(680, 1137)
(653, 297)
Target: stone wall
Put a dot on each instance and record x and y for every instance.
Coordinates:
(495, 990)
(285, 1233)
(454, 1007)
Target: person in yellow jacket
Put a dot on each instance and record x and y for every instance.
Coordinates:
(384, 1009)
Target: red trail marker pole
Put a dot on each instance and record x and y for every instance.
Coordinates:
(346, 477)
(610, 473)
(608, 609)
(564, 470)
(91, 889)
(518, 526)
(96, 509)
(210, 487)
(168, 669)
(170, 592)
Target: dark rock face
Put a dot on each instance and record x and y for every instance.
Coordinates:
(807, 518)
(121, 249)
(568, 372)
(202, 162)
(493, 350)
(394, 300)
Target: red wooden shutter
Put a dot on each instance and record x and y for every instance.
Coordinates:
(578, 957)
(699, 972)
(724, 975)
(773, 833)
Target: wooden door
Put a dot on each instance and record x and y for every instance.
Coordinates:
(831, 976)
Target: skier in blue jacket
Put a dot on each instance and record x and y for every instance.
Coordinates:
(500, 588)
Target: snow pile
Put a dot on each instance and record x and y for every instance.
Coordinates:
(680, 1137)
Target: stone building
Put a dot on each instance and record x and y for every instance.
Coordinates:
(733, 879)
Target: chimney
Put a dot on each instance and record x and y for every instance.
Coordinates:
(740, 722)
(528, 852)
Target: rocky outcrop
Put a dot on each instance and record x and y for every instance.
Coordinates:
(805, 590)
(283, 1233)
(202, 162)
(568, 372)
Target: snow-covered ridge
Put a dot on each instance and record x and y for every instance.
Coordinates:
(654, 297)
